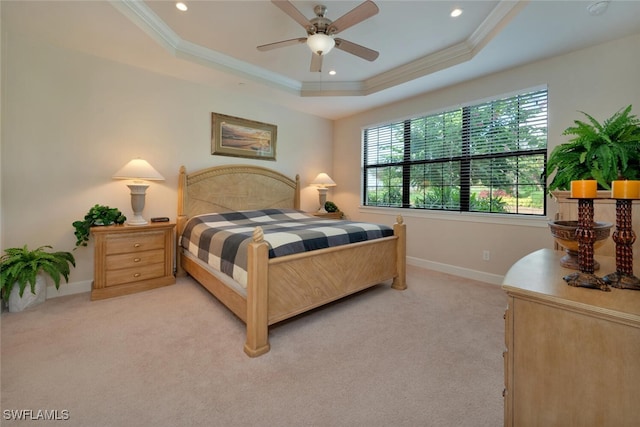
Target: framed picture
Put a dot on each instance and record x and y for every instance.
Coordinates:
(233, 136)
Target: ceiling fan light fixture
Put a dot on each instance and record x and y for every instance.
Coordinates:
(320, 43)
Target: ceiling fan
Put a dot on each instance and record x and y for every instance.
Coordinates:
(321, 31)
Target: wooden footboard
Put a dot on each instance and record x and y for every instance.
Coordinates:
(281, 288)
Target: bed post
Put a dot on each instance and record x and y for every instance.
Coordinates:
(400, 230)
(182, 217)
(296, 196)
(257, 296)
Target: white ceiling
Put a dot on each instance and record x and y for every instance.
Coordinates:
(421, 47)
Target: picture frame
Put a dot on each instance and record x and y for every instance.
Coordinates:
(237, 137)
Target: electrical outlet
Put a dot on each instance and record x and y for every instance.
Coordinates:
(486, 255)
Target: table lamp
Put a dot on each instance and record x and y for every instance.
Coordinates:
(323, 181)
(138, 170)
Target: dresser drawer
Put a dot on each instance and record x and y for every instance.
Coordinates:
(134, 242)
(134, 274)
(134, 259)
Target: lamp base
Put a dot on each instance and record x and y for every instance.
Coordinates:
(322, 196)
(138, 191)
(137, 220)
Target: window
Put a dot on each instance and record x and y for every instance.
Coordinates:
(488, 158)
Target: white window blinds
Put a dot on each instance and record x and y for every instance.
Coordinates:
(488, 157)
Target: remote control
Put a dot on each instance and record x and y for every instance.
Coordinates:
(160, 219)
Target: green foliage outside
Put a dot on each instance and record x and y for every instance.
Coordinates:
(504, 178)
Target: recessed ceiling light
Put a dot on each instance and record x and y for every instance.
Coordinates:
(456, 12)
(332, 72)
(181, 6)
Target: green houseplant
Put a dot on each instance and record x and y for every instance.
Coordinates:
(97, 215)
(21, 266)
(604, 151)
(331, 207)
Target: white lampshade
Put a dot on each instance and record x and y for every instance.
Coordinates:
(320, 43)
(323, 180)
(138, 170)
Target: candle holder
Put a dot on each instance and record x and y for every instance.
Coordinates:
(624, 237)
(586, 236)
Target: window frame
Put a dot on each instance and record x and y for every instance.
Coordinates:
(465, 158)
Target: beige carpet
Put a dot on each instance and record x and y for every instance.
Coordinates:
(427, 356)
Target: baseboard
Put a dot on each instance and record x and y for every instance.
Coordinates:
(68, 288)
(494, 279)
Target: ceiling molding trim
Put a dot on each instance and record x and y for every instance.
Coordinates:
(145, 18)
(429, 64)
(499, 17)
(213, 59)
(310, 89)
(138, 12)
(149, 22)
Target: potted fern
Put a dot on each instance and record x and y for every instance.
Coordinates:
(21, 266)
(97, 215)
(604, 151)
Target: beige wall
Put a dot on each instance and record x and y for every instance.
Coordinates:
(599, 80)
(71, 120)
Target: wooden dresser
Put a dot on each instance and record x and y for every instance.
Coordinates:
(572, 354)
(130, 259)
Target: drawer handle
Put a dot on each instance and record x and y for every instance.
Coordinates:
(136, 245)
(136, 260)
(136, 275)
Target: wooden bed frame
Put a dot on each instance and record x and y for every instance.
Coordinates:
(283, 287)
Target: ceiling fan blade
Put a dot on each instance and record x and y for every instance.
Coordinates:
(294, 13)
(316, 63)
(356, 15)
(283, 43)
(356, 49)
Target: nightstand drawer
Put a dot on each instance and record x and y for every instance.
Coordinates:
(134, 259)
(137, 242)
(134, 274)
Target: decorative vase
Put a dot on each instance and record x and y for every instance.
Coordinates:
(564, 233)
(28, 299)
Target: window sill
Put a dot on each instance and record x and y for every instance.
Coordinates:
(501, 219)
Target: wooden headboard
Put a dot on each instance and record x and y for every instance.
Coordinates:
(234, 188)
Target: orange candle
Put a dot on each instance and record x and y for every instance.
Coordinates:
(584, 189)
(625, 190)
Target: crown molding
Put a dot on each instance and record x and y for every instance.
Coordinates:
(141, 15)
(147, 20)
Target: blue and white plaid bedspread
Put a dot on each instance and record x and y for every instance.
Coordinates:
(221, 239)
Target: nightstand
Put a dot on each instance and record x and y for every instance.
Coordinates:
(130, 259)
(329, 215)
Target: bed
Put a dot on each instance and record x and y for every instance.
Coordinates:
(278, 287)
